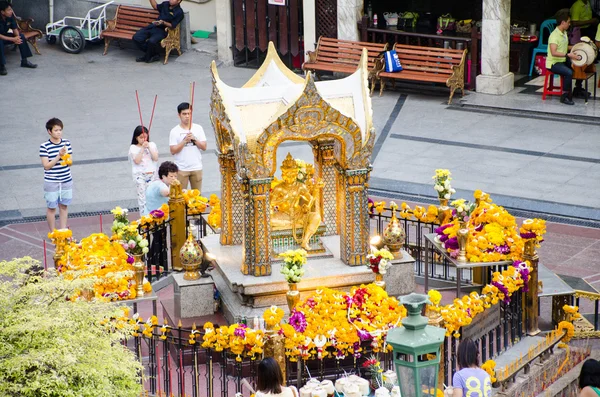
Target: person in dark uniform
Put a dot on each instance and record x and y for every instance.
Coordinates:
(9, 34)
(148, 39)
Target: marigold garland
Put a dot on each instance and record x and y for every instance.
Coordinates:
(273, 317)
(237, 338)
(214, 218)
(194, 202)
(489, 367)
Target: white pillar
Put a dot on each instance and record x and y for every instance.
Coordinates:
(349, 12)
(495, 44)
(309, 23)
(224, 31)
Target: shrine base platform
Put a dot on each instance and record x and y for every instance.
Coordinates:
(249, 296)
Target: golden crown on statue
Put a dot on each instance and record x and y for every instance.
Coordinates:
(289, 163)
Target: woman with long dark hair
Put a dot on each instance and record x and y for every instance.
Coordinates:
(470, 380)
(589, 379)
(143, 156)
(270, 380)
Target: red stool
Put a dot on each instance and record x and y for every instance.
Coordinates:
(549, 88)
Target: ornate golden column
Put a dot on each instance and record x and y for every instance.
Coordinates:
(325, 169)
(232, 206)
(354, 233)
(531, 297)
(257, 230)
(178, 223)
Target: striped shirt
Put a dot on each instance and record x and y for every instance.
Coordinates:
(58, 173)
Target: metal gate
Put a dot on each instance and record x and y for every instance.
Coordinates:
(326, 18)
(256, 22)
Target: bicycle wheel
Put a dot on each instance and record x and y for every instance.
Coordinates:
(72, 40)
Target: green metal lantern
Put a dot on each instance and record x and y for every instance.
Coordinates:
(416, 349)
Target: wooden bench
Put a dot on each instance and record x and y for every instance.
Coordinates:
(31, 34)
(341, 56)
(128, 20)
(425, 64)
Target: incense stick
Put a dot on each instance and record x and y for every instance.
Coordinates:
(192, 88)
(152, 115)
(137, 97)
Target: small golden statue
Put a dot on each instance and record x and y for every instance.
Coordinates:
(295, 200)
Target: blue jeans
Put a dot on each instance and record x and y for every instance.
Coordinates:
(563, 69)
(23, 48)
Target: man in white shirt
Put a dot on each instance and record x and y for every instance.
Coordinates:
(187, 141)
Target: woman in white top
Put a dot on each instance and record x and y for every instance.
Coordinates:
(270, 380)
(143, 156)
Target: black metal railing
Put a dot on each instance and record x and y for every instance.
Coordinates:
(508, 332)
(157, 258)
(174, 367)
(439, 267)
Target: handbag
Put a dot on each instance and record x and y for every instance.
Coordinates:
(464, 26)
(445, 22)
(392, 63)
(407, 20)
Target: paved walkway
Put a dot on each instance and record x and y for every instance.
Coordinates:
(531, 164)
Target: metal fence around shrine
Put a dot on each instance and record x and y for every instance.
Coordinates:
(174, 366)
(491, 343)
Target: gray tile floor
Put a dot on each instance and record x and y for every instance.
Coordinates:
(527, 163)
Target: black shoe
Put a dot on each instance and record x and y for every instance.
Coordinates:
(581, 93)
(141, 59)
(155, 58)
(564, 98)
(26, 64)
(3, 71)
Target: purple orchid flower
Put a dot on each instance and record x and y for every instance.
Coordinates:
(298, 321)
(240, 330)
(130, 259)
(157, 214)
(364, 335)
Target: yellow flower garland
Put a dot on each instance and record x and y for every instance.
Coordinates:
(489, 367)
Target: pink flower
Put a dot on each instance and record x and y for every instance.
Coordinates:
(131, 245)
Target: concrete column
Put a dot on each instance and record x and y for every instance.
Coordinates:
(495, 43)
(224, 33)
(349, 12)
(310, 30)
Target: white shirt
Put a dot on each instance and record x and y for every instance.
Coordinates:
(146, 165)
(190, 157)
(285, 392)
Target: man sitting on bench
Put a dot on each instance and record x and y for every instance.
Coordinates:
(8, 23)
(148, 39)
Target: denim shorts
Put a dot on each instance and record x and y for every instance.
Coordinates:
(57, 193)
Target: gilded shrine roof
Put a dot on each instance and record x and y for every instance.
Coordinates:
(277, 104)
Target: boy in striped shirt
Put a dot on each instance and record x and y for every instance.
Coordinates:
(58, 183)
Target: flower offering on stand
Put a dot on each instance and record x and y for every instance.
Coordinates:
(293, 270)
(379, 262)
(120, 219)
(135, 246)
(442, 185)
